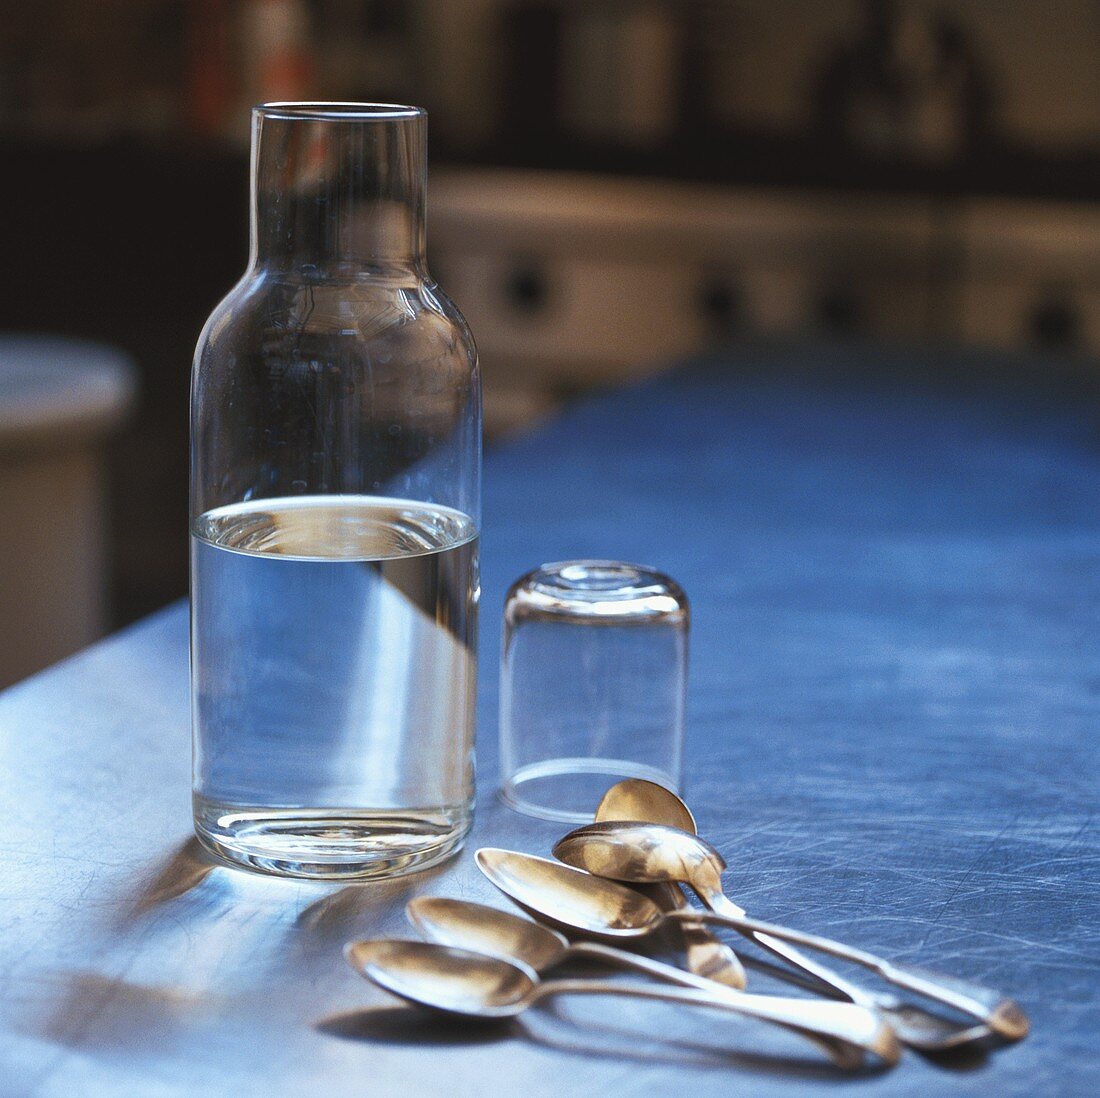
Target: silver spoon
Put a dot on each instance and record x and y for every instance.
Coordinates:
(636, 799)
(645, 853)
(487, 930)
(461, 981)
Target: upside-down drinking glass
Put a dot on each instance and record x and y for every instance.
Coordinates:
(593, 681)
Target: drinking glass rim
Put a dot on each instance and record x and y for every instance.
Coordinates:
(338, 111)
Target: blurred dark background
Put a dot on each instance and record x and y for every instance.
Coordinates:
(614, 184)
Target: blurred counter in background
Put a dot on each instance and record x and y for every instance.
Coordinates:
(571, 281)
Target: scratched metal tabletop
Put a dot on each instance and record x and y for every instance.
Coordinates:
(894, 700)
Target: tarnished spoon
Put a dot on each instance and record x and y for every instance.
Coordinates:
(636, 799)
(461, 981)
(466, 925)
(647, 853)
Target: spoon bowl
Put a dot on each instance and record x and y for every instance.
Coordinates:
(646, 802)
(641, 853)
(487, 930)
(457, 981)
(569, 897)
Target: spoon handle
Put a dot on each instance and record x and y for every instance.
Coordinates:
(721, 904)
(706, 954)
(1002, 1015)
(635, 962)
(845, 1031)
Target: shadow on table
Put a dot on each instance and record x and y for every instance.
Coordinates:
(969, 1058)
(692, 1042)
(185, 870)
(336, 917)
(407, 1026)
(190, 873)
(401, 1026)
(94, 1011)
(961, 1060)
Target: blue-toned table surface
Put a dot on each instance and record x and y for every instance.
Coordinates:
(893, 714)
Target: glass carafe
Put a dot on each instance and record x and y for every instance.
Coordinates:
(335, 496)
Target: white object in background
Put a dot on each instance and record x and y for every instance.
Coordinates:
(58, 400)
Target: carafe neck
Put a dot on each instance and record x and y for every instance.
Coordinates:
(338, 187)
